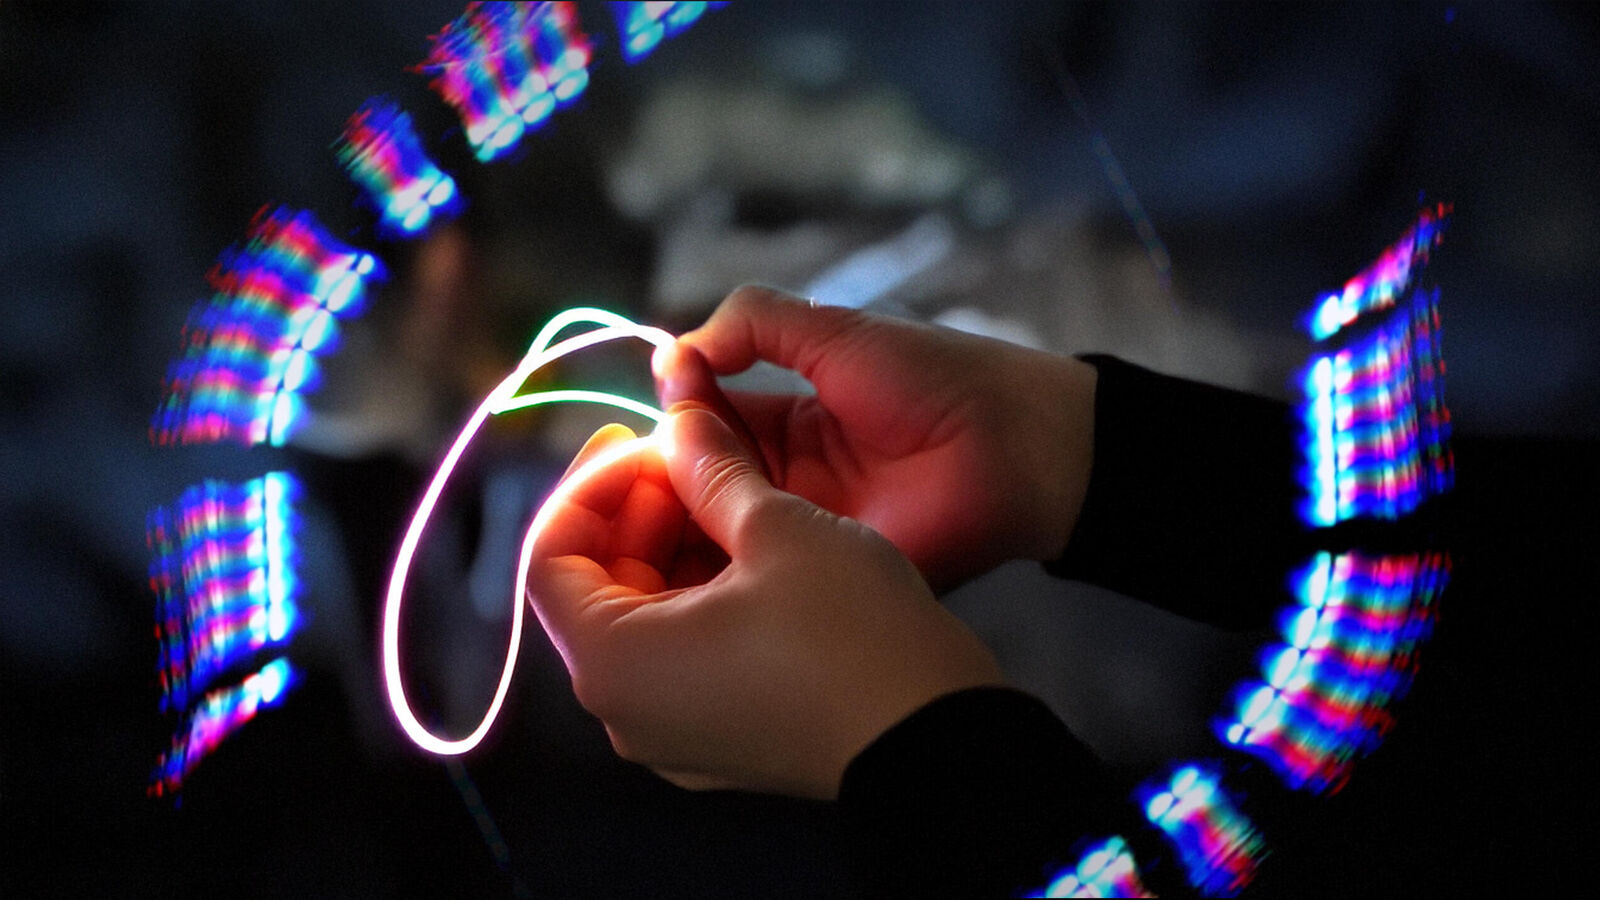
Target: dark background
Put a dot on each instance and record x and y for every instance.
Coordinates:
(1275, 149)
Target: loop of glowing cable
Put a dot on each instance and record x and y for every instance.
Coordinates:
(505, 399)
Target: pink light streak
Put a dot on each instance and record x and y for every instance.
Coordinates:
(503, 398)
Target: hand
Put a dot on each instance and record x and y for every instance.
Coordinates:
(770, 674)
(963, 451)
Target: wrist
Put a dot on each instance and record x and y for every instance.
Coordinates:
(1057, 452)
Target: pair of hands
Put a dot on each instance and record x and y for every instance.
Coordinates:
(751, 611)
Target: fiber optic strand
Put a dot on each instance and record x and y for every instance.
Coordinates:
(504, 398)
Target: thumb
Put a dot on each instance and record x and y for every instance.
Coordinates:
(716, 475)
(683, 377)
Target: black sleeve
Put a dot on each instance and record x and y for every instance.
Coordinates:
(1193, 500)
(1192, 506)
(981, 793)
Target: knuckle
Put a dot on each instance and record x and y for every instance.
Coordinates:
(771, 520)
(720, 477)
(746, 296)
(739, 306)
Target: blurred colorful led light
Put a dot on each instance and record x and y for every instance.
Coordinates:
(250, 350)
(1218, 846)
(214, 719)
(382, 154)
(505, 67)
(1106, 869)
(1349, 652)
(223, 570)
(1376, 429)
(643, 26)
(1385, 282)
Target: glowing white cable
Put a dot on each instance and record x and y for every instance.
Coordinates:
(504, 399)
(574, 396)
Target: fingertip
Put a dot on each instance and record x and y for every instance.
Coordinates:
(603, 437)
(611, 433)
(664, 360)
(683, 373)
(696, 338)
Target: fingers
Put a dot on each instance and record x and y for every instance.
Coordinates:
(576, 518)
(616, 503)
(699, 560)
(763, 323)
(638, 575)
(567, 550)
(715, 474)
(597, 490)
(682, 375)
(560, 589)
(648, 526)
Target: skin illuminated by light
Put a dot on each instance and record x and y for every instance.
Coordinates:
(504, 399)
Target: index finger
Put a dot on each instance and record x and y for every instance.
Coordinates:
(767, 324)
(682, 374)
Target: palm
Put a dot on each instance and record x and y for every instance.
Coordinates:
(625, 530)
(962, 451)
(915, 462)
